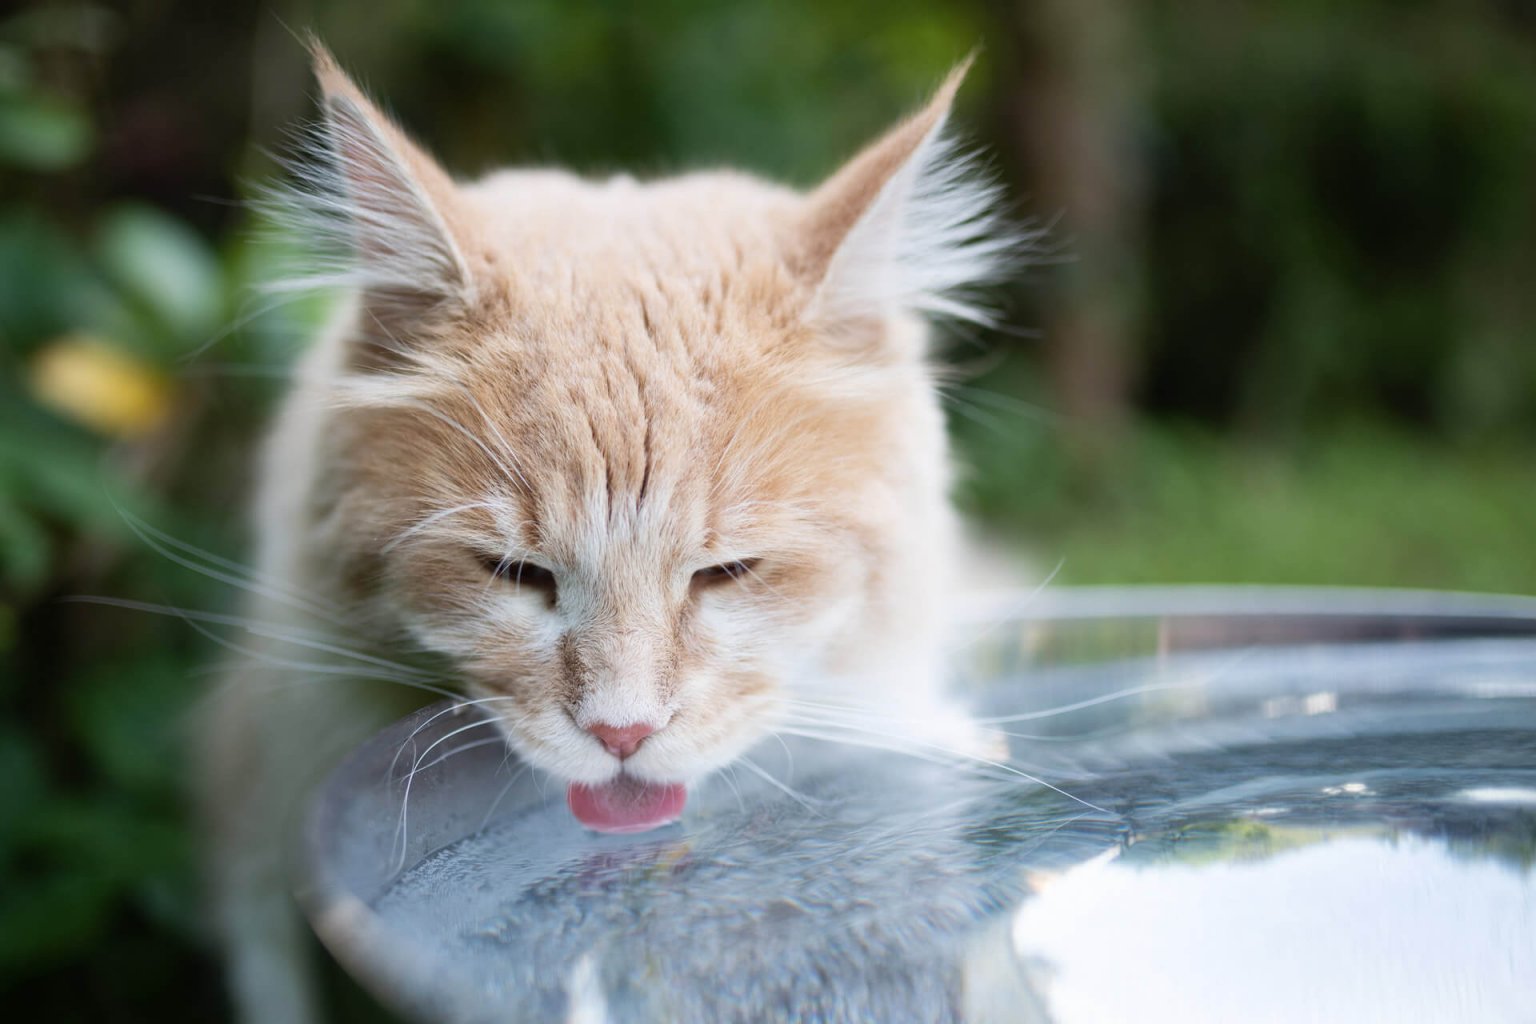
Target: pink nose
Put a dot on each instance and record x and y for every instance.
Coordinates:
(620, 740)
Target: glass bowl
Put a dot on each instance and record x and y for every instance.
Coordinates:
(1205, 804)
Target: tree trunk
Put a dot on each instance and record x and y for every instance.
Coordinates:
(1069, 105)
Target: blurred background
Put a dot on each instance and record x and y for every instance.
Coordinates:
(1286, 334)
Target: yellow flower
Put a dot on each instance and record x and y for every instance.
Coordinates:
(89, 381)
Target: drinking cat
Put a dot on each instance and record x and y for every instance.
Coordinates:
(648, 471)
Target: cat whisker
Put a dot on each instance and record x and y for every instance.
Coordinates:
(263, 630)
(857, 739)
(927, 753)
(260, 629)
(501, 440)
(899, 730)
(1006, 403)
(512, 475)
(430, 520)
(994, 616)
(403, 829)
(981, 417)
(237, 371)
(1001, 415)
(440, 758)
(860, 720)
(240, 321)
(1025, 716)
(457, 706)
(727, 774)
(1091, 702)
(491, 810)
(247, 579)
(807, 802)
(1195, 682)
(960, 757)
(142, 526)
(310, 669)
(774, 591)
(789, 755)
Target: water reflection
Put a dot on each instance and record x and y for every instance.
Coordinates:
(1322, 926)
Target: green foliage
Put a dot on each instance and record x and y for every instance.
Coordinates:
(167, 279)
(39, 130)
(99, 886)
(787, 88)
(82, 845)
(1341, 215)
(1351, 505)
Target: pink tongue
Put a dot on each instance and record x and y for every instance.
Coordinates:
(625, 804)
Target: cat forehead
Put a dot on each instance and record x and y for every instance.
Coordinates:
(574, 266)
(626, 416)
(536, 219)
(623, 437)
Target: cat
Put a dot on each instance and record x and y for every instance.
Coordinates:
(647, 470)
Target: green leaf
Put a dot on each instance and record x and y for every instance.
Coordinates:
(106, 837)
(50, 918)
(25, 550)
(40, 274)
(49, 471)
(42, 133)
(24, 789)
(130, 718)
(168, 268)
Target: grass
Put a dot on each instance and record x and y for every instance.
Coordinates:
(1359, 506)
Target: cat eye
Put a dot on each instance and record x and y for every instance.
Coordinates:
(725, 572)
(522, 573)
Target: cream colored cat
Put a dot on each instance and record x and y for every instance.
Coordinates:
(651, 469)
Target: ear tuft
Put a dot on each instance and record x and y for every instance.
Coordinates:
(908, 225)
(379, 210)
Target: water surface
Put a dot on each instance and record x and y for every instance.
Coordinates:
(1256, 831)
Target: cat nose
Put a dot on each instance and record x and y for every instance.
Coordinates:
(620, 740)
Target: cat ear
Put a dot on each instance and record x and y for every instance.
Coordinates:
(387, 203)
(905, 226)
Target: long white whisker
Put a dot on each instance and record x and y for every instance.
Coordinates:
(789, 755)
(312, 668)
(1010, 613)
(160, 544)
(511, 474)
(766, 585)
(456, 706)
(800, 798)
(489, 811)
(440, 758)
(727, 774)
(1063, 709)
(501, 440)
(239, 322)
(405, 800)
(430, 520)
(957, 756)
(255, 628)
(307, 667)
(193, 550)
(1026, 716)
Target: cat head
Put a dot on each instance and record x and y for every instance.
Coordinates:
(655, 466)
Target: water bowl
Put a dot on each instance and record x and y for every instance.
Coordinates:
(1205, 805)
